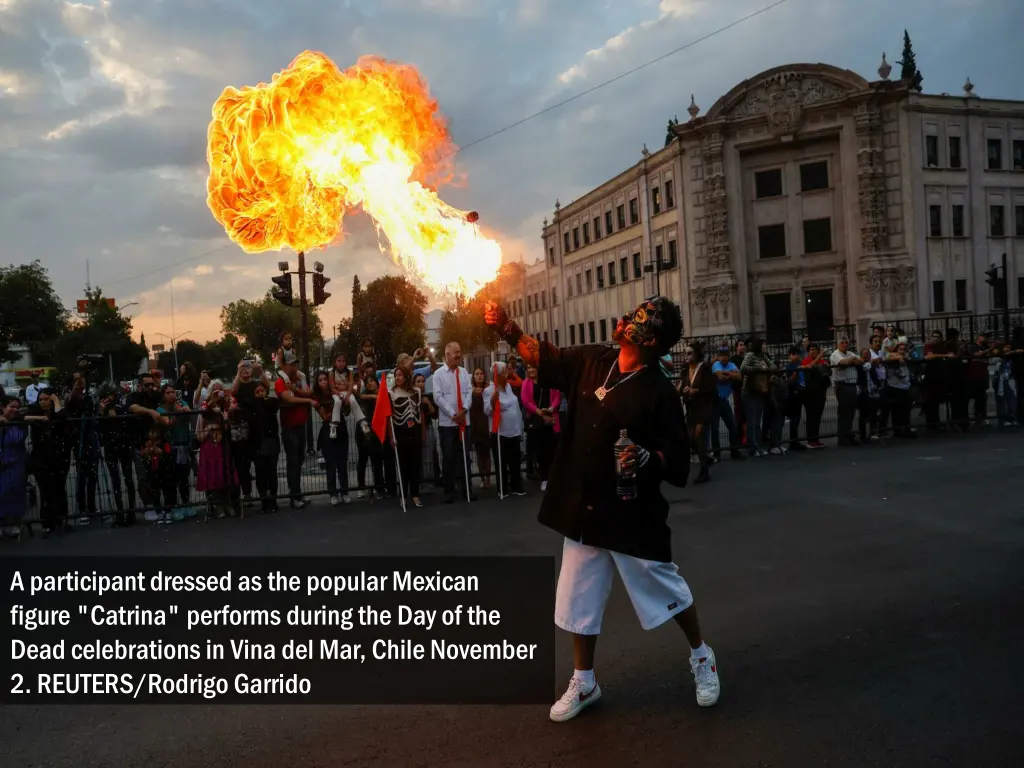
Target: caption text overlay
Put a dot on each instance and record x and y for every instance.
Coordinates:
(205, 630)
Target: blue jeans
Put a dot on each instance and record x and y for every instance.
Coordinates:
(723, 412)
(753, 406)
(335, 453)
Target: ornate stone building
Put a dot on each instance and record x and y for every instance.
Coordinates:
(806, 198)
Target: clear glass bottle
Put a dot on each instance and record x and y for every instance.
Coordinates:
(625, 480)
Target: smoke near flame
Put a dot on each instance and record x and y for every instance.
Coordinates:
(289, 159)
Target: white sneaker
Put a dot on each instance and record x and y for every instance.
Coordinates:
(151, 516)
(334, 430)
(705, 673)
(577, 697)
(346, 499)
(335, 501)
(543, 486)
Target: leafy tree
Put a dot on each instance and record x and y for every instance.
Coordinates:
(31, 313)
(909, 64)
(390, 312)
(188, 352)
(465, 324)
(260, 324)
(105, 333)
(669, 134)
(223, 356)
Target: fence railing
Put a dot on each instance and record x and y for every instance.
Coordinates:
(97, 477)
(970, 327)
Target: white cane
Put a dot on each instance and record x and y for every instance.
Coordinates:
(501, 473)
(465, 462)
(398, 464)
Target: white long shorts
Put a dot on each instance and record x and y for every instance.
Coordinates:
(656, 590)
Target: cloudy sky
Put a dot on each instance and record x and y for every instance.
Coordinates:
(104, 106)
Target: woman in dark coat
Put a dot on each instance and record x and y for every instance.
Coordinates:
(698, 388)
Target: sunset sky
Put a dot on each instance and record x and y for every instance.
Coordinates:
(104, 107)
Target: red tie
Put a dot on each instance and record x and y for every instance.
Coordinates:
(458, 399)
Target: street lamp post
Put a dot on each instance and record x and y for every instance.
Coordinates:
(174, 345)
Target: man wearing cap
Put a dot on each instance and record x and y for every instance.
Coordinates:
(296, 396)
(610, 390)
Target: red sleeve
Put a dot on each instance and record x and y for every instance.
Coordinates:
(279, 386)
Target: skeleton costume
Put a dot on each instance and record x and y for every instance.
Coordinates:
(601, 532)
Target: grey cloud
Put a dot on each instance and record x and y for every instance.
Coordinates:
(130, 142)
(72, 60)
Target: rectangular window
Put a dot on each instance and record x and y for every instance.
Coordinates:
(961, 295)
(620, 214)
(954, 152)
(1018, 220)
(817, 235)
(529, 303)
(604, 329)
(814, 176)
(958, 221)
(637, 271)
(579, 284)
(551, 255)
(995, 154)
(659, 255)
(600, 275)
(768, 183)
(656, 200)
(567, 249)
(624, 270)
(772, 241)
(583, 339)
(670, 194)
(589, 281)
(568, 287)
(597, 227)
(938, 296)
(554, 297)
(607, 222)
(572, 335)
(634, 211)
(586, 233)
(611, 273)
(593, 334)
(1018, 154)
(575, 237)
(931, 151)
(935, 221)
(556, 337)
(536, 304)
(996, 225)
(543, 299)
(673, 255)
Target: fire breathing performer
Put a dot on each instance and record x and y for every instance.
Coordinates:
(611, 391)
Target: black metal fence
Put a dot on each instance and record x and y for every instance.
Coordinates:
(993, 325)
(99, 482)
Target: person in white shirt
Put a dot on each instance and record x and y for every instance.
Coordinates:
(32, 390)
(499, 396)
(453, 395)
(844, 364)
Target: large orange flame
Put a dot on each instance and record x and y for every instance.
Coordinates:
(288, 159)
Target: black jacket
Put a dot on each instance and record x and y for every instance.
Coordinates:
(581, 502)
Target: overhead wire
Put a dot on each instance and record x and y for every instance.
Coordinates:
(510, 126)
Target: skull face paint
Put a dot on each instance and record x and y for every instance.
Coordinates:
(641, 327)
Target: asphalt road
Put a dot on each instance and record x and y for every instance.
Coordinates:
(865, 606)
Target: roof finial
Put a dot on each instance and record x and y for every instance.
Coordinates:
(693, 109)
(645, 151)
(884, 68)
(968, 87)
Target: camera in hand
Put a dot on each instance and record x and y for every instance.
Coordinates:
(87, 363)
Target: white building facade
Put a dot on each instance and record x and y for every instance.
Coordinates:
(808, 199)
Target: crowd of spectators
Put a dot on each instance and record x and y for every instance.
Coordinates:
(752, 395)
(164, 443)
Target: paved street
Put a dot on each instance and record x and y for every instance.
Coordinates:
(864, 605)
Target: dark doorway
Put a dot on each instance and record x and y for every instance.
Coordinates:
(778, 318)
(820, 318)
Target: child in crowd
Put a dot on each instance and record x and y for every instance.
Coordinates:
(286, 346)
(367, 354)
(217, 477)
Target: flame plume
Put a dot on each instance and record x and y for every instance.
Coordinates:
(289, 159)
